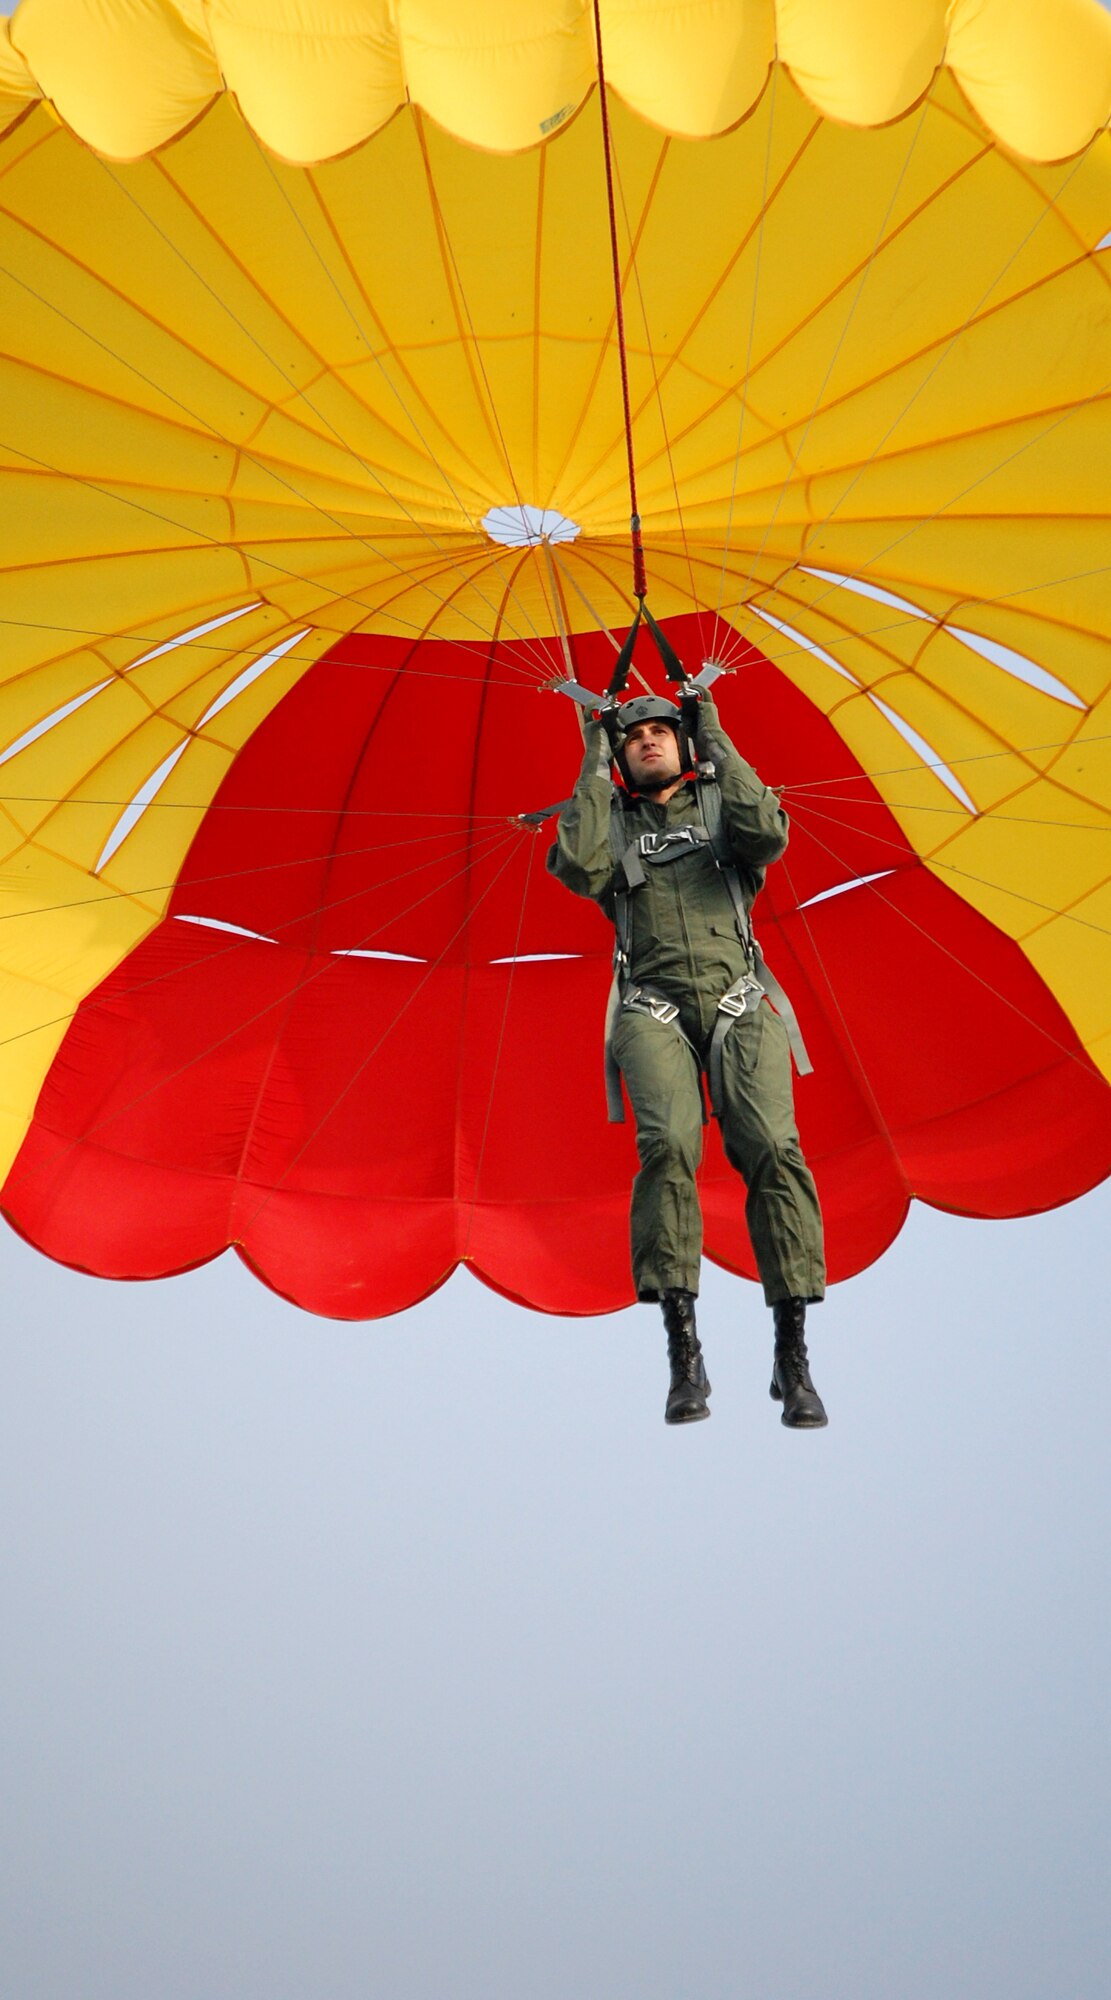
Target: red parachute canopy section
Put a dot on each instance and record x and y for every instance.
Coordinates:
(364, 1044)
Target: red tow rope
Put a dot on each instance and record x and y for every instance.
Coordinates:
(640, 582)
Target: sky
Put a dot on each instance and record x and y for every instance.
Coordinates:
(419, 1660)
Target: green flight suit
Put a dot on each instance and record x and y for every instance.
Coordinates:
(685, 945)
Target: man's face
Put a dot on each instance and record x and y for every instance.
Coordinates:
(652, 754)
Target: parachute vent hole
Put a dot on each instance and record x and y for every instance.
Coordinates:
(524, 527)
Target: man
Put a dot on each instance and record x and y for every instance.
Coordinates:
(689, 1002)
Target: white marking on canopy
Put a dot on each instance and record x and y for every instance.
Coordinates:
(535, 957)
(354, 951)
(862, 589)
(800, 639)
(194, 632)
(149, 790)
(58, 715)
(841, 888)
(51, 721)
(133, 813)
(925, 750)
(252, 673)
(1016, 664)
(218, 924)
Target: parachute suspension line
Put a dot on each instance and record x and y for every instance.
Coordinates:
(239, 874)
(982, 881)
(748, 360)
(490, 842)
(263, 464)
(213, 806)
(695, 599)
(1082, 1060)
(496, 1066)
(298, 988)
(877, 246)
(903, 770)
(432, 967)
(640, 581)
(847, 1035)
(995, 818)
(312, 583)
(570, 577)
(86, 632)
(557, 611)
(971, 318)
(391, 385)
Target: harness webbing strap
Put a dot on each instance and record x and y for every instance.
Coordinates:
(709, 799)
(783, 1007)
(746, 992)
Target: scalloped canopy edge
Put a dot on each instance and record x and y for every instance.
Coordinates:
(314, 78)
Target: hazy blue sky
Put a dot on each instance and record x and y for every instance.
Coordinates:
(418, 1661)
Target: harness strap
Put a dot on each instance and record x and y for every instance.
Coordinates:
(743, 997)
(640, 1000)
(615, 1102)
(783, 1007)
(709, 800)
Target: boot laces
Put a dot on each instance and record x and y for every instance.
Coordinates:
(684, 1353)
(793, 1361)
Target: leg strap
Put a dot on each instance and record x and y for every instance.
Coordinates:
(640, 1000)
(743, 998)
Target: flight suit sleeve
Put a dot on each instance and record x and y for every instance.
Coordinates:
(756, 821)
(582, 858)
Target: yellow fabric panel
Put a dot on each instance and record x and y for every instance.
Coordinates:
(128, 75)
(316, 77)
(694, 69)
(862, 61)
(313, 82)
(498, 75)
(1036, 75)
(17, 86)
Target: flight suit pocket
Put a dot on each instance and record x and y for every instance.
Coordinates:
(746, 1037)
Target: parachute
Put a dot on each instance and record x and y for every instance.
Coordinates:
(315, 480)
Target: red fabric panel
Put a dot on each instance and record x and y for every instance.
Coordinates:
(358, 1125)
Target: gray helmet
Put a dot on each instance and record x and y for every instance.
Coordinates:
(648, 708)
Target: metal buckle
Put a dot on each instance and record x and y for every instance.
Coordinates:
(735, 1004)
(652, 1003)
(654, 843)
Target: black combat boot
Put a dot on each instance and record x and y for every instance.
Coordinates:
(791, 1385)
(686, 1398)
